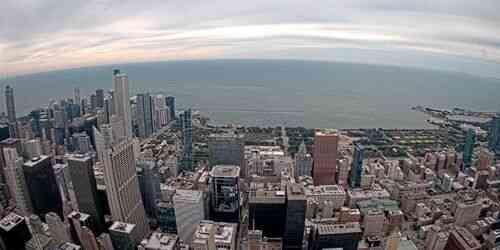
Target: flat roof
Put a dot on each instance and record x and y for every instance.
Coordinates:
(339, 228)
(188, 195)
(161, 241)
(33, 162)
(225, 171)
(122, 227)
(10, 221)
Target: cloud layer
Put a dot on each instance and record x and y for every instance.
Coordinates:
(51, 34)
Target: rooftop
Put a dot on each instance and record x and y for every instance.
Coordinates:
(10, 221)
(69, 246)
(35, 161)
(353, 227)
(188, 196)
(161, 241)
(223, 232)
(122, 227)
(79, 216)
(225, 171)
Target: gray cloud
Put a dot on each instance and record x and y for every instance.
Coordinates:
(42, 35)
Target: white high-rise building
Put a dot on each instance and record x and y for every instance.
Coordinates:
(16, 181)
(189, 212)
(122, 186)
(121, 100)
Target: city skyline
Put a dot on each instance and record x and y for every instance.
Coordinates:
(410, 33)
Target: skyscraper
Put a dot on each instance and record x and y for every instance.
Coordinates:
(470, 140)
(226, 149)
(494, 134)
(10, 104)
(11, 110)
(14, 232)
(59, 231)
(189, 211)
(170, 100)
(303, 161)
(187, 137)
(77, 96)
(121, 100)
(42, 186)
(295, 216)
(85, 188)
(225, 193)
(144, 115)
(16, 181)
(325, 157)
(99, 93)
(149, 182)
(122, 186)
(357, 165)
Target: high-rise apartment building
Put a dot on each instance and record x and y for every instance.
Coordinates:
(122, 186)
(144, 115)
(470, 140)
(225, 193)
(325, 157)
(187, 137)
(99, 94)
(42, 186)
(81, 168)
(357, 166)
(11, 110)
(170, 100)
(121, 100)
(494, 134)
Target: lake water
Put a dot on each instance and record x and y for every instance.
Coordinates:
(279, 92)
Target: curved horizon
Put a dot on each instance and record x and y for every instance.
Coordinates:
(456, 35)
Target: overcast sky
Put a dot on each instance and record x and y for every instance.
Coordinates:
(42, 35)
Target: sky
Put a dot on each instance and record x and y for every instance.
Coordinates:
(44, 35)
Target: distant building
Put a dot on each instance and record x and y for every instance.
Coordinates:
(325, 158)
(121, 100)
(170, 100)
(225, 193)
(494, 134)
(187, 138)
(470, 140)
(144, 115)
(226, 149)
(42, 186)
(14, 232)
(357, 166)
(303, 161)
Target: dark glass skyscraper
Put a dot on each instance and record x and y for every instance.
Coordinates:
(170, 100)
(42, 186)
(11, 106)
(85, 187)
(494, 134)
(357, 165)
(144, 115)
(295, 216)
(14, 232)
(187, 136)
(470, 140)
